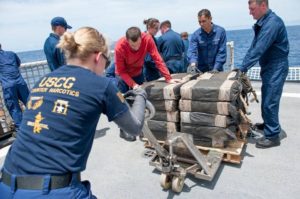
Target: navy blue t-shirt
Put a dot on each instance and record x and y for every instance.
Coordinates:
(59, 124)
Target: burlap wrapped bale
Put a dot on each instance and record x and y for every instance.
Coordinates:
(160, 90)
(211, 91)
(209, 136)
(221, 108)
(169, 116)
(165, 105)
(161, 129)
(206, 119)
(219, 76)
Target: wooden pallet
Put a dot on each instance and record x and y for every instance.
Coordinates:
(232, 153)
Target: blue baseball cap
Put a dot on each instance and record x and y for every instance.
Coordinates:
(60, 21)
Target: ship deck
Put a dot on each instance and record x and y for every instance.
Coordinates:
(119, 169)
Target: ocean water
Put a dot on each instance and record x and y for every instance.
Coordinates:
(243, 38)
(242, 41)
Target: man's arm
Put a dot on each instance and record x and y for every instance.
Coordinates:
(193, 50)
(132, 121)
(221, 53)
(264, 40)
(122, 70)
(18, 60)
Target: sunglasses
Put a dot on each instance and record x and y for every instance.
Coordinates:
(107, 60)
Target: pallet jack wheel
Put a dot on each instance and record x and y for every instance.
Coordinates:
(177, 184)
(165, 181)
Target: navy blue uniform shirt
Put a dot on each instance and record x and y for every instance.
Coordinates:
(150, 70)
(54, 55)
(170, 45)
(270, 43)
(9, 67)
(58, 127)
(208, 50)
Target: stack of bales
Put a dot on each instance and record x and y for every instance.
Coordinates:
(209, 108)
(165, 98)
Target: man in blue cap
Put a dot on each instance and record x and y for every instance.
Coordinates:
(270, 47)
(13, 85)
(54, 55)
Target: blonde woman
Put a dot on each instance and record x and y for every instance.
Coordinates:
(59, 124)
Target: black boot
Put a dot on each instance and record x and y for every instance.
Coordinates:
(126, 136)
(259, 126)
(267, 142)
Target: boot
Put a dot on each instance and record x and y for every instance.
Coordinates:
(259, 126)
(264, 142)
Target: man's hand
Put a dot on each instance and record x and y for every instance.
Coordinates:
(135, 92)
(136, 86)
(214, 71)
(192, 69)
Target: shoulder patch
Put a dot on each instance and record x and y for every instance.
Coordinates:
(120, 96)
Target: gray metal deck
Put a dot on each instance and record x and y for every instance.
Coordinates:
(117, 169)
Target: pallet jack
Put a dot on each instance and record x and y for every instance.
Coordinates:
(175, 166)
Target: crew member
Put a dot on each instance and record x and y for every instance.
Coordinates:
(207, 49)
(171, 46)
(186, 42)
(130, 52)
(58, 129)
(150, 70)
(13, 85)
(270, 47)
(54, 55)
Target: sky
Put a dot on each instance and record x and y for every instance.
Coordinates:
(25, 24)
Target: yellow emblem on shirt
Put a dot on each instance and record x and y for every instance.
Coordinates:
(122, 99)
(37, 125)
(60, 107)
(35, 102)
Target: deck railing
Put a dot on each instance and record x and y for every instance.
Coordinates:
(33, 71)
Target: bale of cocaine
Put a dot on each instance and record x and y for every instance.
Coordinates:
(209, 108)
(164, 98)
(161, 129)
(165, 105)
(207, 119)
(160, 90)
(169, 116)
(221, 108)
(211, 91)
(209, 136)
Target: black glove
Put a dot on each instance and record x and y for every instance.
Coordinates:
(135, 92)
(214, 71)
(192, 69)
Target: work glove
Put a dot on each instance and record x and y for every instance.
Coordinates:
(135, 92)
(192, 69)
(214, 71)
(238, 74)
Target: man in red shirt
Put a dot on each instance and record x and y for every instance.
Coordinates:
(130, 52)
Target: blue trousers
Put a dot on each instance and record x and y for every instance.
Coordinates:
(76, 190)
(273, 79)
(123, 87)
(175, 65)
(150, 71)
(12, 93)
